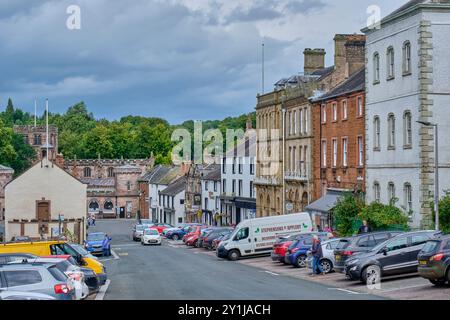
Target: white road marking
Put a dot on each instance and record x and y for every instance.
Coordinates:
(116, 257)
(345, 290)
(272, 273)
(101, 293)
(404, 288)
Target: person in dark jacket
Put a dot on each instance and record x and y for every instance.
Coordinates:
(365, 228)
(317, 254)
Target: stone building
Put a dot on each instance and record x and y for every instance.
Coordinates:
(113, 187)
(284, 177)
(407, 80)
(43, 202)
(339, 140)
(6, 175)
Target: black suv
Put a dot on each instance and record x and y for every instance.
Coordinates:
(434, 261)
(348, 247)
(393, 257)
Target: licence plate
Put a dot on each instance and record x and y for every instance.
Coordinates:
(338, 257)
(423, 263)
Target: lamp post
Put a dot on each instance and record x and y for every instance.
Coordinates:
(436, 170)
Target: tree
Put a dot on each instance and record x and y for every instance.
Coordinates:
(444, 213)
(384, 217)
(346, 213)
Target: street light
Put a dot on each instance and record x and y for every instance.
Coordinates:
(436, 169)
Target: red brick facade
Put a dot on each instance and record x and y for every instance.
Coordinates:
(335, 134)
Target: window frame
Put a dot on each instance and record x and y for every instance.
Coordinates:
(407, 58)
(376, 68)
(391, 131)
(390, 63)
(407, 130)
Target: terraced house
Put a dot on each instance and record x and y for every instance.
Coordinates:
(407, 80)
(284, 175)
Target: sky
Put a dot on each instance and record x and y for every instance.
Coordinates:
(175, 59)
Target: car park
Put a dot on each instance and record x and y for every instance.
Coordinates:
(396, 256)
(434, 261)
(201, 237)
(216, 242)
(98, 243)
(161, 227)
(178, 233)
(327, 260)
(138, 230)
(192, 231)
(297, 252)
(347, 247)
(36, 278)
(151, 236)
(280, 247)
(214, 234)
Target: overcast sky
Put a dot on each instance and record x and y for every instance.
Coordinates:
(176, 59)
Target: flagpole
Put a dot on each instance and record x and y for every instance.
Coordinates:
(46, 130)
(35, 112)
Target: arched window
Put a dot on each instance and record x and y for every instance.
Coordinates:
(376, 133)
(390, 59)
(406, 58)
(376, 67)
(93, 206)
(391, 191)
(407, 129)
(376, 192)
(391, 131)
(407, 196)
(110, 172)
(108, 205)
(87, 172)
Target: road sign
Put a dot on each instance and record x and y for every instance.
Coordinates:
(289, 206)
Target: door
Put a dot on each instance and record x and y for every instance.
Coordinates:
(243, 241)
(122, 212)
(396, 258)
(416, 244)
(43, 210)
(238, 215)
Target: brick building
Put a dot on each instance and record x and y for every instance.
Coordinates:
(36, 136)
(284, 176)
(339, 140)
(6, 175)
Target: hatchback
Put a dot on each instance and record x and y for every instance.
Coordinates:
(396, 256)
(434, 261)
(347, 247)
(297, 252)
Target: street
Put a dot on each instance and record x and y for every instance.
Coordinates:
(175, 272)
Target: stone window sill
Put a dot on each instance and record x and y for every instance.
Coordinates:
(408, 73)
(391, 148)
(407, 147)
(377, 149)
(390, 78)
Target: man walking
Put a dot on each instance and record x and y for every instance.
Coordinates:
(365, 228)
(93, 219)
(317, 254)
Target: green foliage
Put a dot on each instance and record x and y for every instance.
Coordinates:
(444, 213)
(383, 217)
(346, 213)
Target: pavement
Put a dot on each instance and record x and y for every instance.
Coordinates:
(173, 271)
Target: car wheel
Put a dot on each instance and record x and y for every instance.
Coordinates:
(234, 255)
(371, 275)
(175, 237)
(196, 244)
(327, 265)
(438, 283)
(300, 262)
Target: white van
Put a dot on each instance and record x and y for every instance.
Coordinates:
(257, 236)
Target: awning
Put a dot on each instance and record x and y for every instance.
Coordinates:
(245, 203)
(326, 203)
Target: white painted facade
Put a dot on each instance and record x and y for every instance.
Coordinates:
(424, 94)
(174, 203)
(211, 190)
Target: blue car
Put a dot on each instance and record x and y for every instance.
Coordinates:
(177, 234)
(98, 243)
(297, 252)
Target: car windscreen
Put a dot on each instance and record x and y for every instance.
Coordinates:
(343, 243)
(63, 265)
(57, 274)
(96, 237)
(431, 246)
(151, 232)
(79, 249)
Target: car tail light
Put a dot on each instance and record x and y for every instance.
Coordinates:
(437, 257)
(62, 289)
(347, 253)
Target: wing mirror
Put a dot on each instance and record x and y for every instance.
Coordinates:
(384, 251)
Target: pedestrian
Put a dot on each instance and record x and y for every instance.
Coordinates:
(319, 228)
(317, 254)
(106, 246)
(93, 219)
(365, 228)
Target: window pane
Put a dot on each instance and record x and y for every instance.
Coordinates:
(397, 244)
(22, 277)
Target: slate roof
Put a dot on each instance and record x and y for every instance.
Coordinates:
(213, 175)
(162, 175)
(102, 182)
(406, 6)
(323, 72)
(353, 84)
(175, 187)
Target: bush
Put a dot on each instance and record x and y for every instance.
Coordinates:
(383, 217)
(346, 214)
(444, 213)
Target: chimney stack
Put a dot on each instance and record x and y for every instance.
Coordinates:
(340, 49)
(355, 56)
(314, 60)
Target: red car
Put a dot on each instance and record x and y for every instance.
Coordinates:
(161, 226)
(191, 237)
(280, 248)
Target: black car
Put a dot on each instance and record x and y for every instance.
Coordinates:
(214, 234)
(396, 256)
(348, 247)
(434, 261)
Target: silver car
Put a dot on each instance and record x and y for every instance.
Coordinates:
(19, 295)
(138, 230)
(36, 278)
(327, 260)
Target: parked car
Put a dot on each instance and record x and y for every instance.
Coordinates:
(280, 247)
(138, 230)
(161, 227)
(21, 239)
(81, 250)
(6, 258)
(347, 247)
(178, 233)
(195, 230)
(327, 261)
(297, 252)
(396, 256)
(214, 234)
(151, 236)
(216, 242)
(36, 278)
(72, 271)
(434, 261)
(98, 243)
(2, 231)
(203, 234)
(147, 222)
(19, 295)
